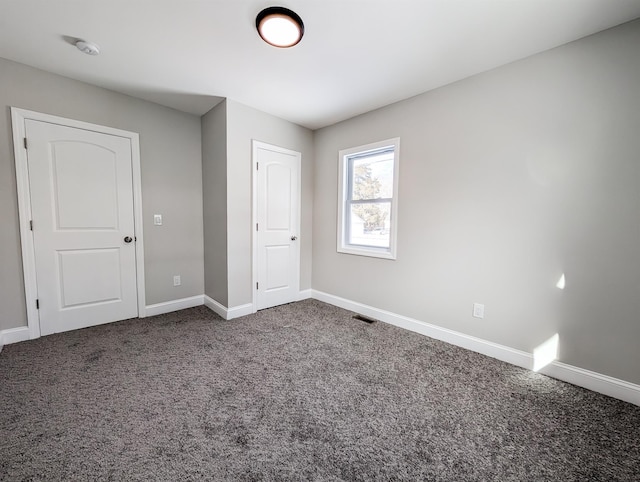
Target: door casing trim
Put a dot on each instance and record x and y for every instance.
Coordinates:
(255, 145)
(18, 118)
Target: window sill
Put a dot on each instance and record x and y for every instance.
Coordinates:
(369, 252)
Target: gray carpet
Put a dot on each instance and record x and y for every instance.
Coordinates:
(298, 392)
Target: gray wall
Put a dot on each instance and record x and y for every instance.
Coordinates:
(214, 188)
(244, 124)
(508, 180)
(171, 166)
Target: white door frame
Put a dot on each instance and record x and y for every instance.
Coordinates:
(18, 118)
(255, 145)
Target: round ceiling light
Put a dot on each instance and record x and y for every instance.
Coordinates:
(280, 27)
(88, 48)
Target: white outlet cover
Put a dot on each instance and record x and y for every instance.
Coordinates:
(478, 310)
(176, 280)
(157, 219)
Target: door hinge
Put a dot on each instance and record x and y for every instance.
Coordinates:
(25, 142)
(257, 166)
(256, 226)
(31, 225)
(37, 304)
(256, 285)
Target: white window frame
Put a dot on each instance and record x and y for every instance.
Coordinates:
(343, 196)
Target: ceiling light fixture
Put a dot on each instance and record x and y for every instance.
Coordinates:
(280, 27)
(88, 48)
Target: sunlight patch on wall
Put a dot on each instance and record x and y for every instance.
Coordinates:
(545, 353)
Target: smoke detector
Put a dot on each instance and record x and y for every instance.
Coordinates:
(88, 48)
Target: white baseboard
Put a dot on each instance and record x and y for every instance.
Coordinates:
(173, 305)
(597, 382)
(14, 335)
(228, 313)
(305, 294)
(238, 311)
(243, 310)
(510, 355)
(216, 307)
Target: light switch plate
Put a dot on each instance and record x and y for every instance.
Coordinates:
(157, 219)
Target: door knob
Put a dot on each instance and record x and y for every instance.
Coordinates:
(128, 239)
(293, 238)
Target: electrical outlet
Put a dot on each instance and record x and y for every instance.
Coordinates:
(157, 219)
(478, 310)
(176, 280)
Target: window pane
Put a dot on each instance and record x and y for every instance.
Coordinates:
(372, 176)
(369, 224)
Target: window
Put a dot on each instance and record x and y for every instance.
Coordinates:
(367, 214)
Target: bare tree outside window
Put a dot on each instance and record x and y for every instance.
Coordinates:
(370, 195)
(365, 186)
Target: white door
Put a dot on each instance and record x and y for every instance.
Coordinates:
(277, 192)
(83, 226)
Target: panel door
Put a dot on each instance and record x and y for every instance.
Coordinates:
(278, 215)
(83, 226)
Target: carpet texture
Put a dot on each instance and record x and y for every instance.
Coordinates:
(297, 392)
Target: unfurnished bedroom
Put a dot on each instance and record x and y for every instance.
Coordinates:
(320, 240)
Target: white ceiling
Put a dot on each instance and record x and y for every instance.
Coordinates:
(356, 55)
